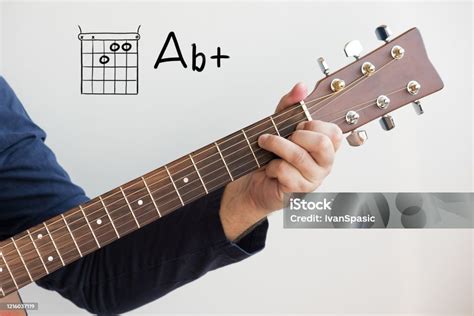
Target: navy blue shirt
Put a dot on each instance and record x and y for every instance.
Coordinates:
(129, 272)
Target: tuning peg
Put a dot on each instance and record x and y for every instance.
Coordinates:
(417, 107)
(387, 122)
(383, 33)
(357, 138)
(323, 65)
(353, 49)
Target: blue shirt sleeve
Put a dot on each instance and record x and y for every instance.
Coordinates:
(131, 271)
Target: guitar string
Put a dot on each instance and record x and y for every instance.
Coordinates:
(238, 135)
(249, 155)
(348, 88)
(211, 163)
(147, 221)
(276, 116)
(251, 128)
(282, 113)
(220, 184)
(145, 214)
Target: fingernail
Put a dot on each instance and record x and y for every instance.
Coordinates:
(263, 138)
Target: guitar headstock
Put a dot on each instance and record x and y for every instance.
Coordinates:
(393, 75)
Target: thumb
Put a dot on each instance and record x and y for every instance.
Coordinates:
(296, 94)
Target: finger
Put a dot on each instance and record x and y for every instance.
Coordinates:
(289, 178)
(318, 145)
(297, 93)
(329, 129)
(292, 153)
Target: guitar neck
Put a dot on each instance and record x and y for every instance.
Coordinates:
(46, 247)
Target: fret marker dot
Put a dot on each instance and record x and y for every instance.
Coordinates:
(99, 221)
(50, 258)
(1, 269)
(185, 180)
(40, 236)
(140, 202)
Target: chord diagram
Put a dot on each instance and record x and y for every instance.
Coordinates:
(109, 62)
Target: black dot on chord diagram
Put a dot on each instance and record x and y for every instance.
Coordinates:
(104, 59)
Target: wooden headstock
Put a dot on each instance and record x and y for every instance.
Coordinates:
(395, 68)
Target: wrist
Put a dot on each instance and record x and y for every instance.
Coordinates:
(237, 211)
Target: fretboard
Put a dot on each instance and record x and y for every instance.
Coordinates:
(46, 247)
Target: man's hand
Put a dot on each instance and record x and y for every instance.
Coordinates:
(306, 158)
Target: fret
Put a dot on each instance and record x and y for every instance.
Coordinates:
(250, 146)
(110, 218)
(274, 125)
(37, 251)
(7, 281)
(90, 227)
(305, 110)
(62, 239)
(140, 201)
(151, 197)
(7, 266)
(99, 221)
(81, 231)
(162, 191)
(54, 243)
(197, 171)
(287, 121)
(21, 258)
(211, 167)
(131, 210)
(15, 264)
(253, 132)
(174, 185)
(186, 179)
(30, 256)
(120, 212)
(223, 160)
(70, 232)
(42, 240)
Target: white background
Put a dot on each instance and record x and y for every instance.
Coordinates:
(104, 141)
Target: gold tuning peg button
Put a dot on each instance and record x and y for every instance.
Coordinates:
(357, 138)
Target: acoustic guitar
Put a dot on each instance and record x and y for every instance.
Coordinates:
(395, 74)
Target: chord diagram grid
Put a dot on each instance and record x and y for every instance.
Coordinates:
(109, 63)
